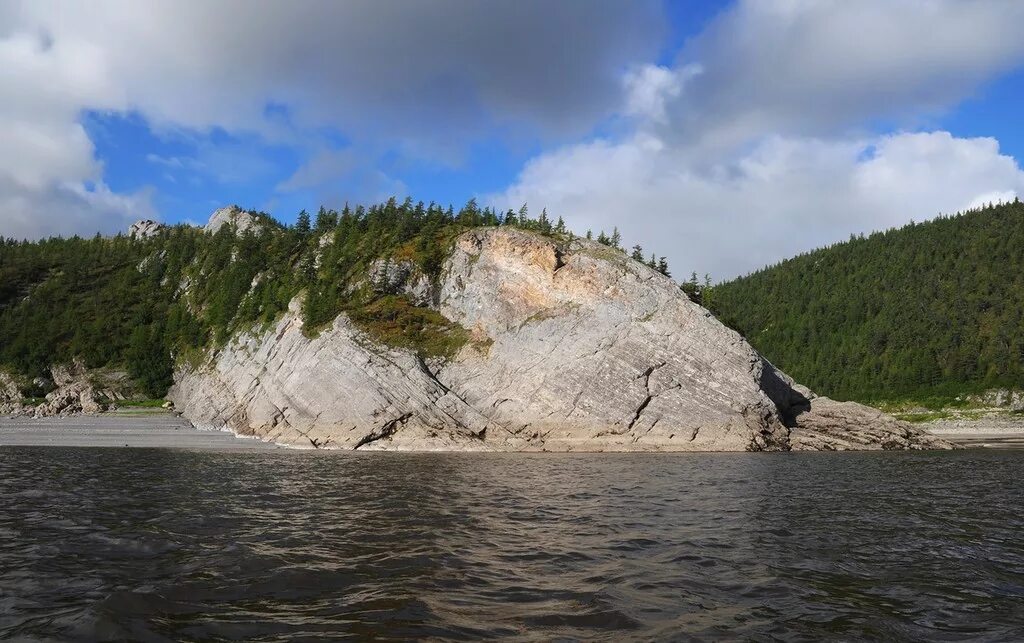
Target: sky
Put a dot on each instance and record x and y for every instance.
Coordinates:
(722, 135)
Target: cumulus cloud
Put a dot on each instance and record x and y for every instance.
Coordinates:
(814, 67)
(428, 75)
(754, 145)
(49, 179)
(785, 196)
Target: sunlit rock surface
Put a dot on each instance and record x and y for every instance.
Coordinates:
(574, 347)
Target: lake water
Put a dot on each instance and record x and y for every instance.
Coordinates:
(157, 544)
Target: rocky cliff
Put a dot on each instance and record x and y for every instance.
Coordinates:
(72, 390)
(573, 346)
(231, 215)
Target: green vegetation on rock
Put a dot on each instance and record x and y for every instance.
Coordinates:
(146, 304)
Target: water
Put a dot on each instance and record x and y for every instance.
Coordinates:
(157, 544)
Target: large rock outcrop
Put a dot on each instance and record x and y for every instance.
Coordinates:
(574, 347)
(144, 229)
(73, 394)
(231, 215)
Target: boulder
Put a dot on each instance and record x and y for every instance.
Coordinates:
(144, 229)
(74, 393)
(231, 216)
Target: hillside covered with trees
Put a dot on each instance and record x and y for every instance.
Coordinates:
(934, 308)
(142, 304)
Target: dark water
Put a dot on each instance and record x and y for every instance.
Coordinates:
(159, 544)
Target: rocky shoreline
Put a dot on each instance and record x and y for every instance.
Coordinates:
(993, 431)
(119, 429)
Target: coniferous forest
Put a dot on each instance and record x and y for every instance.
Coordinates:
(934, 308)
(144, 304)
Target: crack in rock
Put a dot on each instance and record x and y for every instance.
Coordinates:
(385, 431)
(647, 385)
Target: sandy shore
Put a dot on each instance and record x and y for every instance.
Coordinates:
(996, 432)
(124, 429)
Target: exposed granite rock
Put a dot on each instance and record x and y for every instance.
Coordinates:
(401, 276)
(233, 216)
(829, 425)
(1001, 397)
(335, 391)
(74, 393)
(144, 229)
(576, 347)
(10, 395)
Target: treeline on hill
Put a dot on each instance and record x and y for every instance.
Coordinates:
(142, 304)
(934, 308)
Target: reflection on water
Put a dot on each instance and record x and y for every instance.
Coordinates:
(155, 544)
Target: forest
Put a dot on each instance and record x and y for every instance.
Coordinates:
(933, 308)
(144, 304)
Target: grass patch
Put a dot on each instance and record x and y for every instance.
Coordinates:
(929, 402)
(918, 418)
(145, 403)
(394, 321)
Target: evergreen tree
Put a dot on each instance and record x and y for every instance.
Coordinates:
(663, 267)
(302, 223)
(544, 224)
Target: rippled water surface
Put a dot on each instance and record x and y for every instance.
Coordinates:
(162, 544)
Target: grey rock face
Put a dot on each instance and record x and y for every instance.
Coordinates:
(74, 393)
(144, 229)
(1001, 397)
(403, 276)
(575, 347)
(10, 395)
(843, 426)
(231, 215)
(335, 391)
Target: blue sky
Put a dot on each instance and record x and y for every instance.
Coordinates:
(724, 135)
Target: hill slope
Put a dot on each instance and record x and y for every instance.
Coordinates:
(929, 308)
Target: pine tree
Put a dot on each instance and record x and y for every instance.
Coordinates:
(302, 224)
(638, 253)
(544, 223)
(663, 267)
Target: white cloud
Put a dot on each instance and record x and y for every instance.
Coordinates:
(50, 181)
(649, 87)
(815, 67)
(785, 196)
(756, 145)
(429, 75)
(324, 166)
